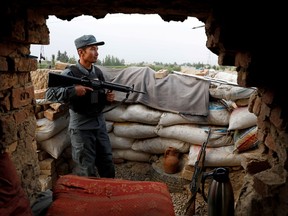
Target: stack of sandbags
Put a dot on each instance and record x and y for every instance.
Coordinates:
(51, 132)
(141, 130)
(242, 122)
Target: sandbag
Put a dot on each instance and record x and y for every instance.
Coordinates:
(230, 92)
(245, 139)
(83, 196)
(141, 114)
(56, 144)
(109, 126)
(242, 118)
(134, 130)
(131, 155)
(47, 128)
(218, 115)
(215, 157)
(195, 134)
(114, 115)
(120, 142)
(158, 145)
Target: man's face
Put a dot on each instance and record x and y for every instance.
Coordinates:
(89, 54)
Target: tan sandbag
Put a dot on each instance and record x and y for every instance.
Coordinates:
(230, 92)
(241, 118)
(134, 130)
(158, 145)
(131, 155)
(56, 144)
(215, 157)
(114, 115)
(120, 142)
(196, 134)
(109, 126)
(218, 115)
(47, 128)
(141, 114)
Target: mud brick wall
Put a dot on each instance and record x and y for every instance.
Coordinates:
(17, 103)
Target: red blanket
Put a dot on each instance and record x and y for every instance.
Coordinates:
(13, 200)
(75, 196)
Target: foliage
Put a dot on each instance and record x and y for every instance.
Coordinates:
(112, 61)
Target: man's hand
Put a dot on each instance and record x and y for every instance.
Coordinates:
(81, 90)
(110, 95)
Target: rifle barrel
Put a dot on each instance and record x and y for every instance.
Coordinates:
(60, 80)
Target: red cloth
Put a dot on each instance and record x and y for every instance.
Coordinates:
(13, 200)
(74, 196)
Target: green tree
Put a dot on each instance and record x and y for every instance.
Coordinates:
(63, 57)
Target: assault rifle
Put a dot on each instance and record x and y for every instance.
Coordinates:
(199, 169)
(59, 80)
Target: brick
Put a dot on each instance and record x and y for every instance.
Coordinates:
(270, 142)
(9, 129)
(8, 80)
(42, 155)
(59, 107)
(22, 96)
(45, 182)
(39, 94)
(275, 117)
(38, 108)
(52, 114)
(40, 115)
(47, 172)
(5, 104)
(47, 164)
(267, 182)
(12, 147)
(22, 115)
(161, 74)
(3, 64)
(25, 64)
(268, 97)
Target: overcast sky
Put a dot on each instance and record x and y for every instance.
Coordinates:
(134, 38)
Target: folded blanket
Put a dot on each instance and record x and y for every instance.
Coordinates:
(173, 93)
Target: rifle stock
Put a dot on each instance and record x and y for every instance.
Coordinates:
(197, 178)
(59, 80)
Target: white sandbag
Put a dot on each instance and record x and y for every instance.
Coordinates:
(134, 130)
(47, 128)
(109, 126)
(120, 142)
(114, 115)
(215, 157)
(158, 145)
(168, 119)
(131, 155)
(56, 144)
(241, 118)
(230, 92)
(218, 115)
(141, 114)
(230, 77)
(196, 134)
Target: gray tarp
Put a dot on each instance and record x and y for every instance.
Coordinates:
(173, 93)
